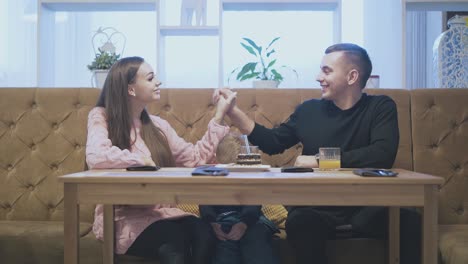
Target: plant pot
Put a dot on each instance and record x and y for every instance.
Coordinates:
(98, 78)
(265, 84)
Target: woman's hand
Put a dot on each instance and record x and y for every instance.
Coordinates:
(237, 116)
(226, 100)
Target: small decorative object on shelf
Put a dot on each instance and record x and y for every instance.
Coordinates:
(263, 69)
(105, 39)
(189, 7)
(373, 81)
(450, 55)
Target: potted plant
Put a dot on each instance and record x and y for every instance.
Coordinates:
(105, 54)
(263, 69)
(101, 64)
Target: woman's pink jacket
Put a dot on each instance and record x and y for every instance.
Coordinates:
(130, 221)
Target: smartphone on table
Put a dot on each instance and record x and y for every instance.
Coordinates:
(375, 173)
(143, 168)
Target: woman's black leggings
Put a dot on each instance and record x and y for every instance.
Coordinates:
(187, 240)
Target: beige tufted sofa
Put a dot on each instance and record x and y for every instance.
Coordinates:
(43, 136)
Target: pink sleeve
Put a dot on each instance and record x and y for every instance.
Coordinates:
(100, 153)
(191, 155)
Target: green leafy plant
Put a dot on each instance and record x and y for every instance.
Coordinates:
(103, 60)
(264, 67)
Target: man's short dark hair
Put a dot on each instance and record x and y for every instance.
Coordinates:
(357, 56)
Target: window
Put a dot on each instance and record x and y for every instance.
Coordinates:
(186, 57)
(191, 62)
(304, 37)
(74, 50)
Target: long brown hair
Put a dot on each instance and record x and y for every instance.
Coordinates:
(114, 98)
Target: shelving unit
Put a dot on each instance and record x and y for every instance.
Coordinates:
(48, 8)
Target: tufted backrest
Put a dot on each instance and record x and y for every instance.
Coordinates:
(440, 146)
(42, 136)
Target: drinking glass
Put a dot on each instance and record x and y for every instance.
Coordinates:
(329, 158)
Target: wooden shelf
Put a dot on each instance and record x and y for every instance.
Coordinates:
(99, 5)
(438, 5)
(277, 5)
(189, 31)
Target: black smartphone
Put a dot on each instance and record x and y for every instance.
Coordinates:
(296, 169)
(375, 173)
(208, 170)
(143, 168)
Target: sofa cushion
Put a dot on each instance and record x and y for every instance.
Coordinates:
(454, 247)
(41, 242)
(276, 213)
(453, 244)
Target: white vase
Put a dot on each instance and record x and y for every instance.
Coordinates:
(450, 56)
(98, 78)
(265, 84)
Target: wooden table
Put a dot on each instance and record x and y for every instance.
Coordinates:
(176, 185)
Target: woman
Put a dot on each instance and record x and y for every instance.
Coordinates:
(121, 133)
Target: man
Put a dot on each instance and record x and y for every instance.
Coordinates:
(364, 127)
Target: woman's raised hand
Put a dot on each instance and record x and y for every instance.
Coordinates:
(225, 100)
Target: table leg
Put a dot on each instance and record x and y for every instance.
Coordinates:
(430, 229)
(71, 224)
(108, 234)
(394, 235)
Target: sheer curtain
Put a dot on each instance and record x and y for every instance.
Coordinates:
(18, 49)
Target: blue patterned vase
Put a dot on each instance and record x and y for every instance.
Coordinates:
(450, 55)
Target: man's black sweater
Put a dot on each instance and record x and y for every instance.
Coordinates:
(367, 133)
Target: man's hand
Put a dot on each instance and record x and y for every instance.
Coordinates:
(238, 118)
(224, 105)
(237, 231)
(306, 161)
(219, 232)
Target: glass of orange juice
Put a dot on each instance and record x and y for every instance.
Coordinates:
(329, 158)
